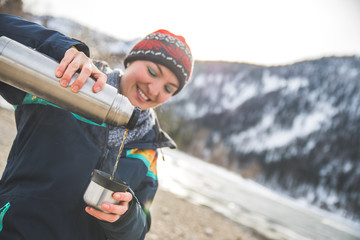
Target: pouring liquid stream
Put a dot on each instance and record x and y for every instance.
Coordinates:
(120, 151)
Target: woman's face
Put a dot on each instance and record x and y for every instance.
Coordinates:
(147, 84)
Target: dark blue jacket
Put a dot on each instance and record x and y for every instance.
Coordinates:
(53, 155)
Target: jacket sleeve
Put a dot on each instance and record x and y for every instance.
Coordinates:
(137, 167)
(49, 42)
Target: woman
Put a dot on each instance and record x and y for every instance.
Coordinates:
(55, 151)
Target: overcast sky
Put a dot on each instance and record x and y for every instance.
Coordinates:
(267, 32)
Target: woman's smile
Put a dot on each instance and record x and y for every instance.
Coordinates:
(142, 95)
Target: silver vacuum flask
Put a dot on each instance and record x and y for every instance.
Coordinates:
(34, 72)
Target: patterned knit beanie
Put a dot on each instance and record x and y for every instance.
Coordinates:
(167, 49)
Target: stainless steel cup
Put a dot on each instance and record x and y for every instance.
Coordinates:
(101, 189)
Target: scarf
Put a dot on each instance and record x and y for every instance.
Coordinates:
(144, 124)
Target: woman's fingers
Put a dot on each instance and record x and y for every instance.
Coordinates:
(67, 59)
(108, 217)
(74, 61)
(114, 211)
(101, 79)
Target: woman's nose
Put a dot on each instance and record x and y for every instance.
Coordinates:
(154, 88)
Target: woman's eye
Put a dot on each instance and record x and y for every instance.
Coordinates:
(168, 89)
(152, 72)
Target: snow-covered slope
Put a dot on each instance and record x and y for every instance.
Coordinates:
(293, 128)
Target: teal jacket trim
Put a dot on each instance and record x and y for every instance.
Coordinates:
(31, 99)
(3, 210)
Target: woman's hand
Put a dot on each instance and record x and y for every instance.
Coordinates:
(115, 211)
(74, 61)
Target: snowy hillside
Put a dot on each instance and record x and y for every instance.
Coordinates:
(292, 128)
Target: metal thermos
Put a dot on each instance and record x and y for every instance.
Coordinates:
(34, 72)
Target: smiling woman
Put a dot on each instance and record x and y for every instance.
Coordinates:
(158, 67)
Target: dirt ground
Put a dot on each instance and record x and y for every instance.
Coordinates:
(172, 217)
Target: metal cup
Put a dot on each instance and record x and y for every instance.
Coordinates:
(101, 188)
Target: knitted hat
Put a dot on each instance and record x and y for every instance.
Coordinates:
(167, 49)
